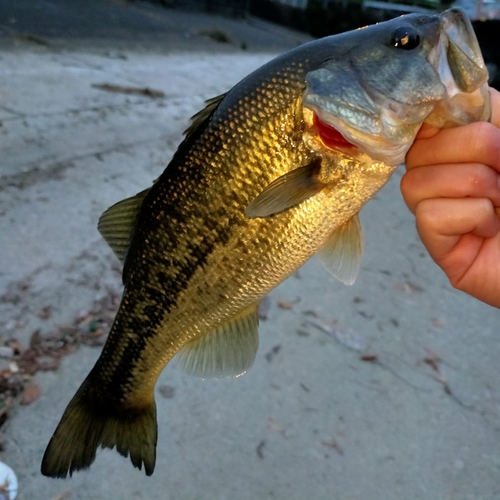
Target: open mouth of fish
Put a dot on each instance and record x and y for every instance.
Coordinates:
(357, 118)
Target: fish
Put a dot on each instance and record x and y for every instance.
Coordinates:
(270, 173)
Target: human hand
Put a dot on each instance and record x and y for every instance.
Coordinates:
(452, 185)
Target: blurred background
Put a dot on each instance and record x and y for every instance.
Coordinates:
(384, 390)
(52, 18)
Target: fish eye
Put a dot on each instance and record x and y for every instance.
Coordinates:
(405, 37)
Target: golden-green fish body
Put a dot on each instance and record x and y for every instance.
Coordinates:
(270, 173)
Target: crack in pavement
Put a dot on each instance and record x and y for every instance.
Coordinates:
(35, 174)
(73, 111)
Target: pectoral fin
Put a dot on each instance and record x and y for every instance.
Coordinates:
(117, 223)
(287, 191)
(341, 254)
(228, 351)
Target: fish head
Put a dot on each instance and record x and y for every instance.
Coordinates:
(381, 83)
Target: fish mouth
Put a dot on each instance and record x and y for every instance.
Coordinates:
(459, 63)
(330, 136)
(384, 134)
(463, 54)
(448, 89)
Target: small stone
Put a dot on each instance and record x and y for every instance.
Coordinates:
(30, 394)
(167, 391)
(10, 325)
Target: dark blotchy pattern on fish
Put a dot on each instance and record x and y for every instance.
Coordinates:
(180, 240)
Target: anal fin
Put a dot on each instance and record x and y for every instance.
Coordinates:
(227, 351)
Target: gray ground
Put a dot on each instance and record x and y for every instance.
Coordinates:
(311, 419)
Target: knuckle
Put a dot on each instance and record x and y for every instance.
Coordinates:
(483, 206)
(408, 187)
(485, 142)
(481, 179)
(406, 184)
(427, 216)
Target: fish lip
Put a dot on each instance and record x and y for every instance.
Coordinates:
(459, 64)
(460, 51)
(457, 26)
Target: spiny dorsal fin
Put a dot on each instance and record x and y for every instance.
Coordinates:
(228, 351)
(117, 223)
(199, 118)
(341, 254)
(287, 191)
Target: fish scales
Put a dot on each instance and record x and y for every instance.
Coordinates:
(213, 235)
(255, 189)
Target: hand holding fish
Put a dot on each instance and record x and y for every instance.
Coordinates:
(452, 185)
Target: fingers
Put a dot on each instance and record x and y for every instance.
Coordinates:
(475, 143)
(452, 185)
(463, 238)
(495, 107)
(455, 163)
(427, 131)
(442, 223)
(450, 181)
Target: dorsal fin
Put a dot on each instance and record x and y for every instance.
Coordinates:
(117, 223)
(227, 351)
(199, 118)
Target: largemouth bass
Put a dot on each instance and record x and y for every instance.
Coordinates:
(270, 173)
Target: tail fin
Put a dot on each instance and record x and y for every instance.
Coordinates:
(86, 424)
